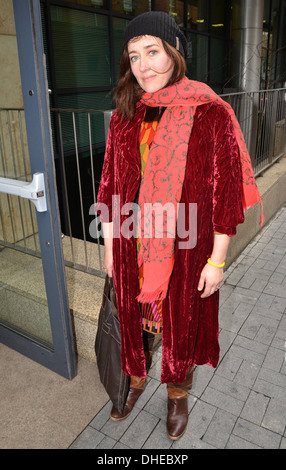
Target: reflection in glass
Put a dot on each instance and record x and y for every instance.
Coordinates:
(281, 55)
(132, 8)
(83, 101)
(81, 48)
(197, 57)
(99, 4)
(174, 8)
(218, 61)
(277, 39)
(197, 17)
(218, 17)
(273, 46)
(119, 26)
(23, 299)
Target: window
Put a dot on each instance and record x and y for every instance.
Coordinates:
(174, 8)
(273, 73)
(81, 48)
(218, 21)
(281, 50)
(208, 30)
(103, 4)
(218, 63)
(197, 57)
(119, 26)
(83, 101)
(129, 7)
(197, 15)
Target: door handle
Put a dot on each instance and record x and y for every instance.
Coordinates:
(34, 191)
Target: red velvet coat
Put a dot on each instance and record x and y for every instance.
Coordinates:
(212, 181)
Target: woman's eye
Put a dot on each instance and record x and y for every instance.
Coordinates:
(153, 52)
(133, 58)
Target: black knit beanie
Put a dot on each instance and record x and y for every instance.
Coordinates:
(159, 24)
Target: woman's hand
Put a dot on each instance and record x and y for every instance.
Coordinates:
(108, 264)
(108, 242)
(211, 276)
(211, 280)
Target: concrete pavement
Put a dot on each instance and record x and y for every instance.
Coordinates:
(241, 404)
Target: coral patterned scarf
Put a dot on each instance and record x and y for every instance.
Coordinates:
(164, 177)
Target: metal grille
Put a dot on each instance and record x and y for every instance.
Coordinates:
(18, 224)
(261, 114)
(81, 254)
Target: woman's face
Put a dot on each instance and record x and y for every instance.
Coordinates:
(150, 63)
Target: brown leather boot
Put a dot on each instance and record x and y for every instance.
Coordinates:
(177, 419)
(137, 387)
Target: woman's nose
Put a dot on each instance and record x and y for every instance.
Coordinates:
(143, 64)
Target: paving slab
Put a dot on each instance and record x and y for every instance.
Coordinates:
(239, 405)
(242, 403)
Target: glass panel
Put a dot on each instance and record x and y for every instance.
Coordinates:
(197, 57)
(82, 172)
(266, 13)
(273, 50)
(14, 158)
(218, 61)
(100, 4)
(281, 55)
(218, 17)
(45, 43)
(23, 300)
(81, 48)
(264, 49)
(197, 18)
(130, 7)
(83, 101)
(275, 30)
(175, 9)
(119, 26)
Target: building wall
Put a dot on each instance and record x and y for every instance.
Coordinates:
(11, 91)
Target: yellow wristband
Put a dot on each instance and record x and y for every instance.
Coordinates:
(216, 265)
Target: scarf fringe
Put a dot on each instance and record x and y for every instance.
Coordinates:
(148, 297)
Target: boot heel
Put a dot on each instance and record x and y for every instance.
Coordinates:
(137, 387)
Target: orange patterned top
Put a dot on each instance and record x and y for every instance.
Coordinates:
(151, 313)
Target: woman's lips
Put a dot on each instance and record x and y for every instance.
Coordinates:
(147, 79)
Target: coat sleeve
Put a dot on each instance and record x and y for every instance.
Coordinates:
(106, 187)
(227, 190)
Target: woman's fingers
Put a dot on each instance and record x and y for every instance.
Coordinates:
(108, 261)
(210, 280)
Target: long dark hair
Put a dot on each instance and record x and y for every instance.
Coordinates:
(128, 92)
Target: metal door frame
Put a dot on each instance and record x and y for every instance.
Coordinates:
(35, 96)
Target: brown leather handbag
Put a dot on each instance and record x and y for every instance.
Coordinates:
(108, 349)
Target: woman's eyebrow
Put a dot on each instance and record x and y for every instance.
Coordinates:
(145, 47)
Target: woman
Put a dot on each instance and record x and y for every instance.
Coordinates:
(172, 143)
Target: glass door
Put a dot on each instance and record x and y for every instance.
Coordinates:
(34, 311)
